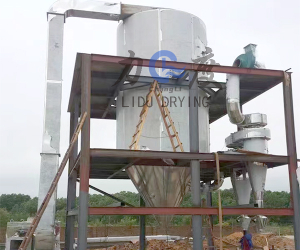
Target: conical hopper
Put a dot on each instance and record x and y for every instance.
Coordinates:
(242, 188)
(257, 173)
(161, 186)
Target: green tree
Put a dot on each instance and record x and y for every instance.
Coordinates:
(8, 201)
(4, 217)
(61, 203)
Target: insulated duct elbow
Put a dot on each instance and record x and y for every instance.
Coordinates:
(233, 99)
(246, 60)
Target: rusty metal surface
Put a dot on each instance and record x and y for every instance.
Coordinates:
(108, 71)
(188, 211)
(182, 157)
(187, 66)
(106, 162)
(292, 154)
(85, 153)
(85, 133)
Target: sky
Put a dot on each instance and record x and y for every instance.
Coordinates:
(273, 25)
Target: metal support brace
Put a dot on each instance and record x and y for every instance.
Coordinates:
(292, 154)
(142, 226)
(71, 195)
(109, 195)
(210, 240)
(195, 165)
(85, 153)
(51, 134)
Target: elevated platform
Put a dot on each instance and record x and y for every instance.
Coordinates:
(111, 163)
(96, 84)
(111, 74)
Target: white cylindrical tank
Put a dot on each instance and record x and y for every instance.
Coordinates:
(146, 33)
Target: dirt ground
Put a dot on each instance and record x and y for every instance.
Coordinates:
(261, 240)
(230, 242)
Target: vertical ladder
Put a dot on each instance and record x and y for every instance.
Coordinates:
(165, 113)
(52, 188)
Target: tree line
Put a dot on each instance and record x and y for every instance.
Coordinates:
(19, 207)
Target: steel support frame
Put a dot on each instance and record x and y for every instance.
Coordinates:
(189, 211)
(142, 226)
(292, 154)
(85, 152)
(195, 164)
(188, 66)
(72, 177)
(109, 195)
(185, 156)
(51, 136)
(210, 240)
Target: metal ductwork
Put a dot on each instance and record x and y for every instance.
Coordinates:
(233, 99)
(252, 136)
(246, 60)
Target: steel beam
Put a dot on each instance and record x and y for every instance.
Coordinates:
(71, 194)
(85, 152)
(142, 226)
(75, 165)
(143, 81)
(118, 84)
(123, 153)
(187, 66)
(51, 134)
(121, 170)
(189, 211)
(109, 195)
(210, 240)
(195, 164)
(292, 154)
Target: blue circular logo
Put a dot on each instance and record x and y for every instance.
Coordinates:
(171, 71)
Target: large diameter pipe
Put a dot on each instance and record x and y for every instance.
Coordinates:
(233, 99)
(51, 135)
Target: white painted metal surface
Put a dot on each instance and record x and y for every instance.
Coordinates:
(146, 33)
(242, 187)
(257, 171)
(233, 99)
(45, 238)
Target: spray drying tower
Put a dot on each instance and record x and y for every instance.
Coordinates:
(103, 86)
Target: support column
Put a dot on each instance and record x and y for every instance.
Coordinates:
(71, 195)
(85, 152)
(51, 134)
(195, 165)
(292, 154)
(142, 227)
(210, 240)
